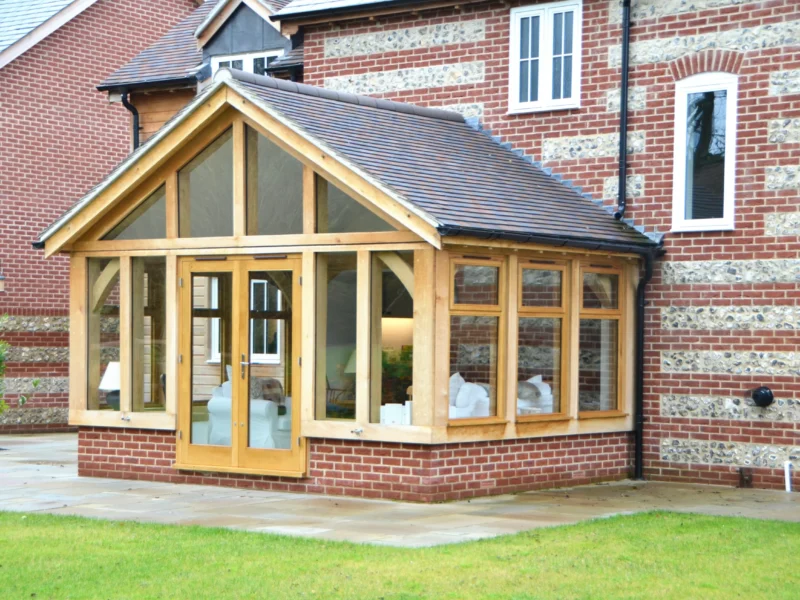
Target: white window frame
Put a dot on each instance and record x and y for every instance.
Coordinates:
(545, 13)
(214, 354)
(704, 82)
(247, 59)
(266, 358)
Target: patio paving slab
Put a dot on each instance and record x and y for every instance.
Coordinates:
(38, 473)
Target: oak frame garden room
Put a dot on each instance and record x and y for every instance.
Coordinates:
(282, 273)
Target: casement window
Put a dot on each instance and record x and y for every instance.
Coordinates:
(265, 333)
(705, 150)
(256, 62)
(545, 57)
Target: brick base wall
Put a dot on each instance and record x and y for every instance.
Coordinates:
(409, 472)
(12, 428)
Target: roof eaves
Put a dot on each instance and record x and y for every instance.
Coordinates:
(286, 16)
(41, 31)
(142, 84)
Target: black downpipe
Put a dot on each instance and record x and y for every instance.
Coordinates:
(135, 114)
(638, 442)
(623, 111)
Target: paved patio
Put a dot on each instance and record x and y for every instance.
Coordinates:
(39, 473)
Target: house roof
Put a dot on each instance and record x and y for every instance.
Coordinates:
(430, 161)
(293, 58)
(23, 24)
(173, 58)
(271, 6)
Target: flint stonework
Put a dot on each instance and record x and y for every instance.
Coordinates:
(409, 79)
(782, 223)
(634, 187)
(782, 178)
(642, 10)
(732, 271)
(783, 410)
(594, 146)
(34, 324)
(732, 454)
(15, 386)
(747, 39)
(468, 110)
(783, 131)
(730, 317)
(637, 99)
(784, 82)
(731, 362)
(34, 416)
(400, 40)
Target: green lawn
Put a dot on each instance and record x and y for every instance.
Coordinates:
(655, 555)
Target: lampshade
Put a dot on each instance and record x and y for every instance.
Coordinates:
(351, 363)
(110, 380)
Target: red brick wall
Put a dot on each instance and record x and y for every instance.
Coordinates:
(379, 470)
(58, 138)
(751, 239)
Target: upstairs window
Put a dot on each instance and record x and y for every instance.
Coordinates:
(545, 57)
(705, 149)
(256, 62)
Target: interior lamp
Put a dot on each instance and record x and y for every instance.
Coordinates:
(111, 378)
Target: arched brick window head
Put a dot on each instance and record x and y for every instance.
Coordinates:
(710, 61)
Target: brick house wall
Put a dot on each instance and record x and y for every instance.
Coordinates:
(723, 311)
(58, 138)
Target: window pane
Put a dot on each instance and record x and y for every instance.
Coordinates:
(336, 335)
(259, 65)
(524, 38)
(473, 366)
(339, 213)
(148, 334)
(237, 64)
(274, 188)
(567, 91)
(146, 221)
(392, 302)
(476, 284)
(224, 63)
(212, 363)
(568, 21)
(103, 334)
(539, 366)
(600, 290)
(558, 32)
(205, 191)
(541, 287)
(534, 37)
(597, 369)
(524, 86)
(557, 78)
(534, 81)
(705, 155)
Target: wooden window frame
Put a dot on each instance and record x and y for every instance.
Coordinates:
(482, 310)
(562, 312)
(615, 314)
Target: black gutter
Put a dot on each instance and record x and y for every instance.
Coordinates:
(549, 240)
(147, 85)
(354, 10)
(641, 304)
(132, 109)
(622, 193)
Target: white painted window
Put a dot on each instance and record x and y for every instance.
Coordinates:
(255, 62)
(265, 334)
(705, 152)
(545, 57)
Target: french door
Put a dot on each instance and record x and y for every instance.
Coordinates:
(239, 393)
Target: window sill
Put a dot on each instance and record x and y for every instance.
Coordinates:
(480, 421)
(701, 228)
(242, 470)
(543, 418)
(544, 108)
(602, 414)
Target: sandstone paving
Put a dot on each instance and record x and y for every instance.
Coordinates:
(38, 473)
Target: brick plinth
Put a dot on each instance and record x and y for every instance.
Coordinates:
(409, 472)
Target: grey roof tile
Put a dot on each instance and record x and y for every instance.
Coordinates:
(19, 17)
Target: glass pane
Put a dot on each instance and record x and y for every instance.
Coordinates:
(524, 86)
(473, 366)
(534, 81)
(597, 369)
(149, 333)
(705, 155)
(392, 302)
(567, 92)
(205, 191)
(237, 64)
(270, 402)
(224, 63)
(541, 287)
(600, 290)
(476, 284)
(339, 213)
(524, 38)
(539, 366)
(259, 65)
(557, 78)
(568, 21)
(146, 221)
(274, 188)
(558, 32)
(534, 37)
(103, 334)
(336, 335)
(212, 363)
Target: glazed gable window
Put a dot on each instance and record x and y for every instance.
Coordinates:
(545, 57)
(249, 63)
(705, 150)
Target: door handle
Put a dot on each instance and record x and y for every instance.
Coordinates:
(244, 364)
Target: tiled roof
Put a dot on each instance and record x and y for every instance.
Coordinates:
(19, 17)
(454, 176)
(293, 58)
(298, 9)
(174, 56)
